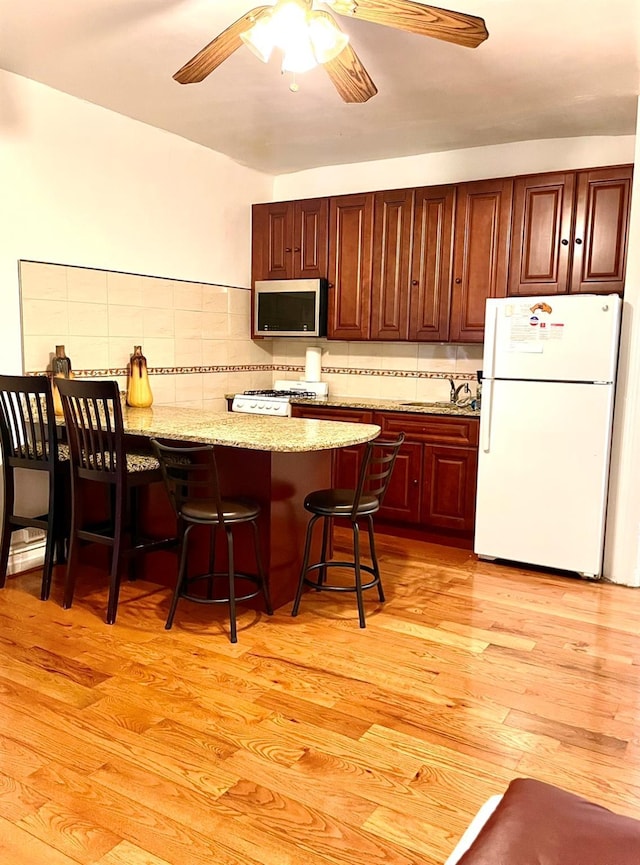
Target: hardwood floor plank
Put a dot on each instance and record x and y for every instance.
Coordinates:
(65, 831)
(17, 800)
(19, 847)
(128, 854)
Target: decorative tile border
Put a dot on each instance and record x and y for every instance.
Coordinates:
(274, 367)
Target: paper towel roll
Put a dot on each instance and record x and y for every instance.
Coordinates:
(313, 364)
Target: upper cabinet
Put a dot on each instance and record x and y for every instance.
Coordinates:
(350, 256)
(412, 243)
(570, 232)
(419, 264)
(480, 254)
(290, 239)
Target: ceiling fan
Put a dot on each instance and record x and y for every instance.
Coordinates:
(312, 36)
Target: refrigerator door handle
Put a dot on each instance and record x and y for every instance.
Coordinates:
(491, 339)
(487, 412)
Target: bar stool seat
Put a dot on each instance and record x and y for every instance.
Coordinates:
(191, 480)
(353, 505)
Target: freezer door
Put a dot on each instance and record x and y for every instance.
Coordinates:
(559, 338)
(543, 473)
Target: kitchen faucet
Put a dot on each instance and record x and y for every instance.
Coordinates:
(454, 393)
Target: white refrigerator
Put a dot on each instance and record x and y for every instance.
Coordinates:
(545, 430)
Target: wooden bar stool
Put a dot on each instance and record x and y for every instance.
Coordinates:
(191, 478)
(29, 441)
(353, 505)
(95, 429)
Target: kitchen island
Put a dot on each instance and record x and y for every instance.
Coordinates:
(275, 461)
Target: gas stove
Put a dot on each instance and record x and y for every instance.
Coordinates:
(277, 400)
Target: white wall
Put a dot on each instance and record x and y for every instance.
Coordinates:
(622, 553)
(84, 186)
(457, 166)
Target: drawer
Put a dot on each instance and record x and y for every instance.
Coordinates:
(347, 415)
(435, 429)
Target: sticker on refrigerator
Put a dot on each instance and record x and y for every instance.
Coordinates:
(524, 330)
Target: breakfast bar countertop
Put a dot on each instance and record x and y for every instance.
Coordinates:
(255, 432)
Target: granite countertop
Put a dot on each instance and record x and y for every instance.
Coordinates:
(255, 432)
(416, 406)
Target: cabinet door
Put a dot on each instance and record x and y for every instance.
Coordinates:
(481, 254)
(392, 231)
(541, 238)
(272, 239)
(449, 487)
(602, 219)
(350, 252)
(402, 501)
(310, 238)
(431, 263)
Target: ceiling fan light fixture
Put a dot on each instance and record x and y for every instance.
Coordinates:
(260, 39)
(326, 37)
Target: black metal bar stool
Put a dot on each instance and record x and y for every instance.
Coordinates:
(353, 505)
(191, 478)
(95, 429)
(29, 441)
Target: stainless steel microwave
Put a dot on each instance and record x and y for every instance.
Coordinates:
(290, 307)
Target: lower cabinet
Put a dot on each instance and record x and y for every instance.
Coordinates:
(433, 487)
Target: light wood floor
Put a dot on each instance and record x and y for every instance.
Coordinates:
(310, 741)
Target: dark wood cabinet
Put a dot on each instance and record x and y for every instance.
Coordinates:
(350, 261)
(402, 501)
(541, 239)
(431, 259)
(290, 239)
(603, 201)
(449, 487)
(412, 246)
(480, 254)
(419, 264)
(392, 236)
(570, 232)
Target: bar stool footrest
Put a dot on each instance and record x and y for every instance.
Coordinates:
(324, 587)
(220, 575)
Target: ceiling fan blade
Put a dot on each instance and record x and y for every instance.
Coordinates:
(218, 50)
(349, 77)
(456, 27)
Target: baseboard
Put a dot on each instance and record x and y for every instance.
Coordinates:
(26, 552)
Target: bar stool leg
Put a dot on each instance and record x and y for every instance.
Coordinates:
(374, 558)
(305, 563)
(232, 587)
(212, 560)
(6, 524)
(260, 570)
(356, 561)
(50, 544)
(322, 577)
(74, 547)
(182, 572)
(116, 556)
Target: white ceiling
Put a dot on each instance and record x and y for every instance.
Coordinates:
(550, 69)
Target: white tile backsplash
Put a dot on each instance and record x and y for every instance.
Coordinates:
(99, 316)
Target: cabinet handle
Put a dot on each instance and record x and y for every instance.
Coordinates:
(578, 241)
(331, 285)
(565, 242)
(296, 249)
(414, 282)
(458, 280)
(287, 249)
(415, 482)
